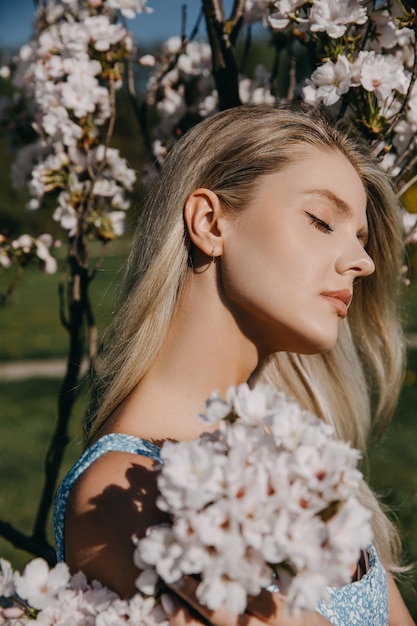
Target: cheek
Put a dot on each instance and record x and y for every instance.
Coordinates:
(257, 273)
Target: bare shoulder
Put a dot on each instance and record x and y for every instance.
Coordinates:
(113, 500)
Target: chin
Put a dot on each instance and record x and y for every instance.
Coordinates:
(303, 348)
(313, 340)
(319, 349)
(315, 344)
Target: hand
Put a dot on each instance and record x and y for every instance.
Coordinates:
(184, 609)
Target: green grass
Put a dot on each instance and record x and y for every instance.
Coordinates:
(27, 420)
(30, 320)
(393, 474)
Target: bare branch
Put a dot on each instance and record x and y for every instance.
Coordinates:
(225, 71)
(27, 543)
(12, 285)
(67, 395)
(292, 66)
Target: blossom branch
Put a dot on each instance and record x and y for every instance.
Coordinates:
(396, 118)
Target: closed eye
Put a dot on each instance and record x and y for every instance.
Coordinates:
(320, 224)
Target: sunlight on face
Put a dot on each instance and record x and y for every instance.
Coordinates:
(292, 256)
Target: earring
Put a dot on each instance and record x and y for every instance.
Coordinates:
(213, 258)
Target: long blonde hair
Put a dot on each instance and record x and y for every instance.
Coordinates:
(228, 153)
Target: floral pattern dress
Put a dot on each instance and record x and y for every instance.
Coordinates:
(362, 603)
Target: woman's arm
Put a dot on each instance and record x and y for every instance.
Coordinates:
(398, 612)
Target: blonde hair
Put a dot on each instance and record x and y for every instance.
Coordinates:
(228, 153)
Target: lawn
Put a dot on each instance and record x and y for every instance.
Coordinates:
(31, 317)
(393, 474)
(27, 421)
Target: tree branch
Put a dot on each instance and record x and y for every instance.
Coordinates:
(12, 285)
(68, 393)
(225, 71)
(28, 543)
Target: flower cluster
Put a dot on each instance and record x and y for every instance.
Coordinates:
(69, 74)
(365, 53)
(181, 88)
(330, 16)
(25, 248)
(52, 596)
(269, 497)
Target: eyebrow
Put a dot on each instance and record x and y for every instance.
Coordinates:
(343, 208)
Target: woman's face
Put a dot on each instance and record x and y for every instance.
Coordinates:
(290, 259)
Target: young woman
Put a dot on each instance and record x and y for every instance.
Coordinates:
(254, 259)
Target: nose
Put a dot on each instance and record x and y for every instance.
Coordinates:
(355, 260)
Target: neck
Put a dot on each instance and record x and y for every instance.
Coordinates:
(204, 351)
(206, 343)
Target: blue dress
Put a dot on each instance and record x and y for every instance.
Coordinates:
(362, 603)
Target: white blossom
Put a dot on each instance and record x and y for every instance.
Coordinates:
(7, 586)
(412, 110)
(116, 166)
(285, 10)
(62, 600)
(5, 72)
(65, 214)
(79, 94)
(329, 82)
(387, 34)
(195, 477)
(103, 33)
(43, 244)
(118, 219)
(409, 221)
(147, 60)
(256, 10)
(215, 408)
(333, 16)
(380, 73)
(304, 591)
(38, 584)
(129, 8)
(57, 124)
(5, 260)
(258, 89)
(214, 592)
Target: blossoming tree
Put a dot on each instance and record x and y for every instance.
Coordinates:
(357, 57)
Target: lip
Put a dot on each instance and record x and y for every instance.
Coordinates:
(340, 298)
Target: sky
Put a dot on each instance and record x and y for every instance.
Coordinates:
(16, 20)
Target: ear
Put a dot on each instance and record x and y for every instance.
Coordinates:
(203, 216)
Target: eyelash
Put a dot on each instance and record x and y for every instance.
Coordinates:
(321, 225)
